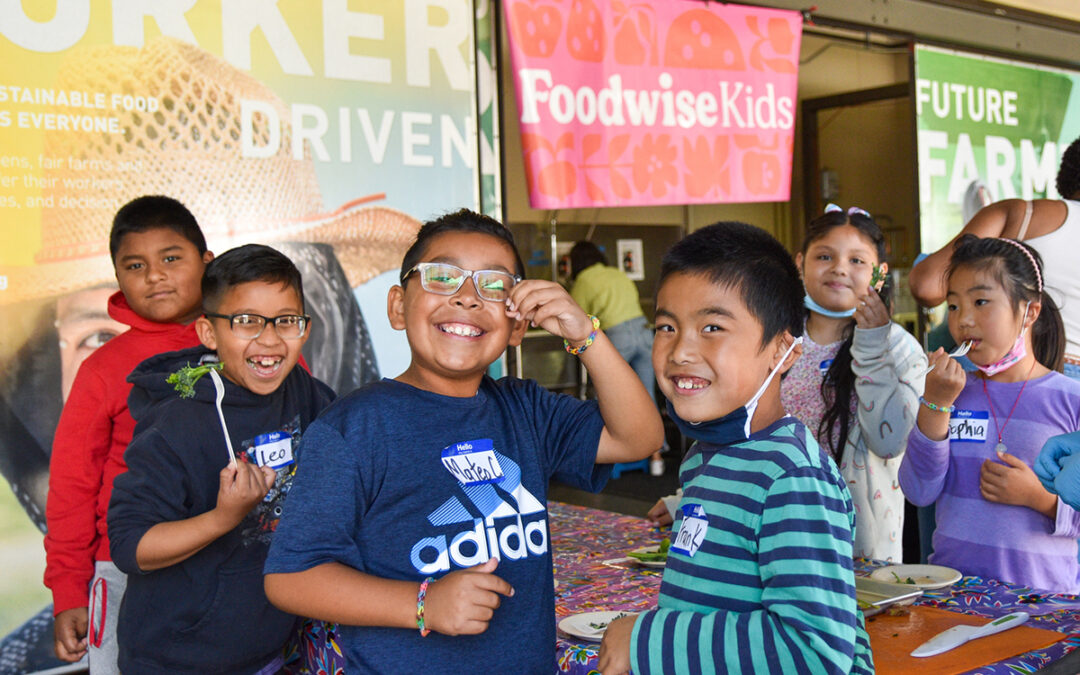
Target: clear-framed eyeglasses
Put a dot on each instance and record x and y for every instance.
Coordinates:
(251, 326)
(446, 279)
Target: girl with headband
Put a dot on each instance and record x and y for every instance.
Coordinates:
(978, 434)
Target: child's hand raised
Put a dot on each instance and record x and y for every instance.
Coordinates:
(946, 379)
(241, 486)
(547, 304)
(463, 602)
(870, 311)
(1012, 481)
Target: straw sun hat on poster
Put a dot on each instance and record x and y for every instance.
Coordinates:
(188, 149)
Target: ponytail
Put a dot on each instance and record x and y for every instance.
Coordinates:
(1048, 335)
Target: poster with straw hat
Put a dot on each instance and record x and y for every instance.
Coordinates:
(318, 157)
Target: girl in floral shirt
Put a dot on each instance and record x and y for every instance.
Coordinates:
(858, 383)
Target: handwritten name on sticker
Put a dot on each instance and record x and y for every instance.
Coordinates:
(968, 426)
(473, 462)
(273, 449)
(692, 531)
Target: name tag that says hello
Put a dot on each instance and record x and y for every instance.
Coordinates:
(968, 426)
(473, 462)
(273, 449)
(695, 525)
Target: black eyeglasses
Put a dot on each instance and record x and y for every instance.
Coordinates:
(251, 326)
(446, 279)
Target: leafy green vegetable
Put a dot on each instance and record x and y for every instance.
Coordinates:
(660, 555)
(184, 379)
(878, 276)
(604, 624)
(909, 580)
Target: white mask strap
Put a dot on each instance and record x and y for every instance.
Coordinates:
(752, 405)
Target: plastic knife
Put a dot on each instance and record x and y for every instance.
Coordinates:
(958, 635)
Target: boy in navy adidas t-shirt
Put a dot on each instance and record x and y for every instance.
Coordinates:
(419, 502)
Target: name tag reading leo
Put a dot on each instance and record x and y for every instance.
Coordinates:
(968, 426)
(695, 525)
(273, 449)
(473, 462)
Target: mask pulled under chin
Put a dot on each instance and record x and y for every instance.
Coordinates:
(733, 427)
(813, 306)
(1012, 357)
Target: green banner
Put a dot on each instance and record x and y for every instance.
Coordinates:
(987, 122)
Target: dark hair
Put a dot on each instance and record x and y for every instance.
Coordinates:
(1004, 260)
(152, 212)
(244, 264)
(838, 385)
(462, 220)
(1068, 178)
(584, 255)
(748, 259)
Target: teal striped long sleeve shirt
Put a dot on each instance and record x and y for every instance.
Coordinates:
(771, 586)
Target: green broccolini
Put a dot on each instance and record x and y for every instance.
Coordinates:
(184, 379)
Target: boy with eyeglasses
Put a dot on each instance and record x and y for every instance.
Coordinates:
(209, 468)
(436, 558)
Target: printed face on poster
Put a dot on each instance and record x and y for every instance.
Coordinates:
(631, 258)
(306, 126)
(675, 102)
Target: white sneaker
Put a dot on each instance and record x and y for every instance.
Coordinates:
(656, 467)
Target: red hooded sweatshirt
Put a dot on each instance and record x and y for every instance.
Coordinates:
(88, 451)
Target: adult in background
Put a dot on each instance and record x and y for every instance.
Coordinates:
(611, 296)
(1050, 226)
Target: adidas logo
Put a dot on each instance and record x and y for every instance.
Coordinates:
(483, 538)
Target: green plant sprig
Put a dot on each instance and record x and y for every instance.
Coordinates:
(184, 379)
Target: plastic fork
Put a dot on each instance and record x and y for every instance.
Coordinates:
(961, 350)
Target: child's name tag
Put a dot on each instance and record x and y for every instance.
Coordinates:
(695, 524)
(824, 366)
(273, 449)
(968, 426)
(473, 462)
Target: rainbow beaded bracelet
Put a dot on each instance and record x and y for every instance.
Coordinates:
(935, 407)
(421, 594)
(588, 341)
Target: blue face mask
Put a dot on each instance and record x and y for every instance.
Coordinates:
(809, 303)
(733, 427)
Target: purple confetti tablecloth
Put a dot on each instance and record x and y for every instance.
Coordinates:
(592, 574)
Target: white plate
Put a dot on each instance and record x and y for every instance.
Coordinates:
(648, 563)
(583, 625)
(925, 577)
(875, 596)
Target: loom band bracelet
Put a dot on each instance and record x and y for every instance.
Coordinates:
(935, 407)
(420, 596)
(588, 341)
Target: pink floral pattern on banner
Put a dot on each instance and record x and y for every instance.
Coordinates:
(638, 103)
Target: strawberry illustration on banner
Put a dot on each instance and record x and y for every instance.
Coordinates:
(635, 103)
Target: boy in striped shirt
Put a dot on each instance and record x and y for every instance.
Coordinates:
(759, 577)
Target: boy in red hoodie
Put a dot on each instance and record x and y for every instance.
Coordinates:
(159, 253)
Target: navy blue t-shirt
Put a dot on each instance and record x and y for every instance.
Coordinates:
(403, 483)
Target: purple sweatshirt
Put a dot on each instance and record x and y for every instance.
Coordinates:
(977, 537)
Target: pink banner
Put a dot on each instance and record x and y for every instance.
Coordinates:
(627, 103)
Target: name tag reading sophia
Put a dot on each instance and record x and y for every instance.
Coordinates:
(273, 449)
(968, 426)
(692, 531)
(473, 462)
